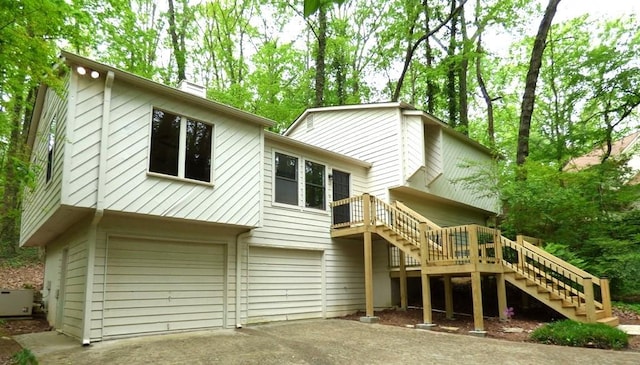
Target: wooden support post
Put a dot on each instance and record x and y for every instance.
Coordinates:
(366, 210)
(476, 292)
(589, 300)
(606, 297)
(448, 296)
(426, 300)
(368, 273)
(403, 282)
(473, 244)
(502, 296)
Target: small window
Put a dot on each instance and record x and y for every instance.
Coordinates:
(286, 179)
(314, 185)
(51, 146)
(180, 146)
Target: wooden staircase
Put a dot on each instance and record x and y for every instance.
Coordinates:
(561, 286)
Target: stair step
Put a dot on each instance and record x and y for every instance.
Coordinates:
(610, 321)
(567, 304)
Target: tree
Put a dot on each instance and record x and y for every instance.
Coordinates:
(528, 98)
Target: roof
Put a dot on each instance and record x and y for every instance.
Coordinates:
(295, 143)
(75, 60)
(618, 148)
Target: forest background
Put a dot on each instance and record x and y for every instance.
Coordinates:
(535, 90)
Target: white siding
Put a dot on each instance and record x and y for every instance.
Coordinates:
(162, 286)
(39, 204)
(413, 145)
(371, 135)
(295, 227)
(236, 192)
(284, 284)
(439, 212)
(170, 237)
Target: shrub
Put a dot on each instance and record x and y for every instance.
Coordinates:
(24, 357)
(576, 334)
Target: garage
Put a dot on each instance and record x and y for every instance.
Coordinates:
(162, 286)
(284, 284)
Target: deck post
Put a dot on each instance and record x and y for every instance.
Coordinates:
(474, 256)
(366, 210)
(427, 318)
(502, 296)
(403, 281)
(368, 279)
(606, 297)
(448, 296)
(589, 300)
(476, 292)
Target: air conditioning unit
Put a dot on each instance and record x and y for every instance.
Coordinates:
(16, 303)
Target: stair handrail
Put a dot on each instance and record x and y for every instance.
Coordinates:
(419, 217)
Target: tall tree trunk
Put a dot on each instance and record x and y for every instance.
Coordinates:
(528, 99)
(320, 56)
(485, 94)
(178, 43)
(462, 77)
(451, 72)
(431, 87)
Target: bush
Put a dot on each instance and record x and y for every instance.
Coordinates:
(24, 357)
(576, 334)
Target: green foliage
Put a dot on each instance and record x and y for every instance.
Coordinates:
(576, 334)
(565, 253)
(24, 357)
(628, 307)
(21, 257)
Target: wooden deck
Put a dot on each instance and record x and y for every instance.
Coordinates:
(472, 251)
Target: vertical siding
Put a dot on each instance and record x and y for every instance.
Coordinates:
(413, 145)
(39, 204)
(371, 135)
(236, 163)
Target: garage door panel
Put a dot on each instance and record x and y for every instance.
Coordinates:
(284, 284)
(159, 286)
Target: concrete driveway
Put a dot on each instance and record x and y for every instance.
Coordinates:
(313, 342)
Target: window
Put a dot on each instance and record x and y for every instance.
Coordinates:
(180, 146)
(286, 179)
(50, 148)
(314, 185)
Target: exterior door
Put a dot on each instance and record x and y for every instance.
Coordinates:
(340, 191)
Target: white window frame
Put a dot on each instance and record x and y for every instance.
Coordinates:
(182, 148)
(302, 193)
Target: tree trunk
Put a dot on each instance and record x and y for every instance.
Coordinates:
(528, 99)
(451, 72)
(431, 87)
(462, 78)
(177, 41)
(485, 95)
(320, 56)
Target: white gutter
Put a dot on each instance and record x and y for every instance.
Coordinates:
(93, 229)
(239, 238)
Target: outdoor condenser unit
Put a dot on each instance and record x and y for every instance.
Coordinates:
(15, 303)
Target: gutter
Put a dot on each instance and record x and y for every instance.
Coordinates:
(99, 213)
(239, 238)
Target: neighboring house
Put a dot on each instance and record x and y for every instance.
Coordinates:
(162, 211)
(626, 147)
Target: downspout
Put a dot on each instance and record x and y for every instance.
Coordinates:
(99, 213)
(239, 238)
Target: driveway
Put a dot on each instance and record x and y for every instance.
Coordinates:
(313, 342)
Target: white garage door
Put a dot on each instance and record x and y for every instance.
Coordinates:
(284, 284)
(159, 286)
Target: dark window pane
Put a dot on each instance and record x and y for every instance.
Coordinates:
(286, 190)
(51, 147)
(165, 143)
(198, 153)
(314, 185)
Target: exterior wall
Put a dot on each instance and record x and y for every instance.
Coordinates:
(39, 204)
(371, 135)
(457, 155)
(117, 227)
(294, 227)
(234, 196)
(71, 292)
(439, 212)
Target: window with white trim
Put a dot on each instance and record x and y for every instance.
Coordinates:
(314, 185)
(180, 146)
(50, 147)
(286, 190)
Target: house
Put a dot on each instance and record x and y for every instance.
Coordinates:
(626, 147)
(160, 211)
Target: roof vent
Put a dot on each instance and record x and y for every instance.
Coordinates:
(193, 88)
